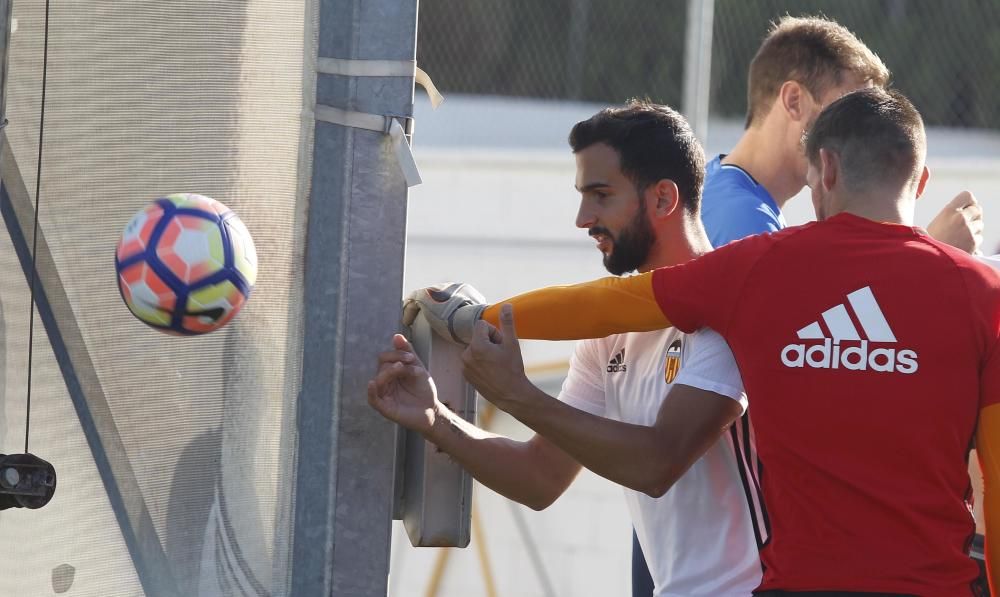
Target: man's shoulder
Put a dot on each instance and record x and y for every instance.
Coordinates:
(978, 267)
(738, 202)
(731, 181)
(734, 205)
(992, 261)
(979, 279)
(982, 274)
(762, 243)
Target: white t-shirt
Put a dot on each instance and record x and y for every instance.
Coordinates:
(698, 539)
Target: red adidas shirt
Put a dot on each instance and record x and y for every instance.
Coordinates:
(867, 351)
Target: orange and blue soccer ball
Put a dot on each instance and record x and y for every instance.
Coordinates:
(186, 264)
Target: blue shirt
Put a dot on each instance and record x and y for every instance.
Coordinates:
(734, 205)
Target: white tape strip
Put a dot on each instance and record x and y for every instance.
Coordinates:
(381, 68)
(424, 80)
(366, 68)
(403, 153)
(376, 122)
(358, 120)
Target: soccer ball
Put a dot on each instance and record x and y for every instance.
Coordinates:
(186, 264)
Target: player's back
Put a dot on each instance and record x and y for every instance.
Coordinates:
(861, 346)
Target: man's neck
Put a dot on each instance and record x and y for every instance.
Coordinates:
(877, 209)
(685, 241)
(757, 152)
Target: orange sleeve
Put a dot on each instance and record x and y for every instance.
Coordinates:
(988, 449)
(589, 310)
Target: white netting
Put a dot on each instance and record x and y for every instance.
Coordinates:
(147, 98)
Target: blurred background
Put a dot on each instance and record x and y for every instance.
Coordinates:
(944, 55)
(497, 206)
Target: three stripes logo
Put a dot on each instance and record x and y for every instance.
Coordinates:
(617, 363)
(672, 364)
(836, 325)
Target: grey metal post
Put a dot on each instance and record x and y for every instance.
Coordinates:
(698, 65)
(6, 10)
(353, 285)
(6, 21)
(576, 49)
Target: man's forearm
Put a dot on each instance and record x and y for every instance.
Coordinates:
(517, 470)
(631, 455)
(988, 449)
(590, 310)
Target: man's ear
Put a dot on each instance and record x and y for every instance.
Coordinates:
(922, 183)
(829, 168)
(665, 196)
(795, 100)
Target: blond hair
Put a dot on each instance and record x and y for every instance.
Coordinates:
(815, 52)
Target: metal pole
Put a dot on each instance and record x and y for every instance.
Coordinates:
(353, 285)
(576, 49)
(6, 22)
(698, 65)
(6, 30)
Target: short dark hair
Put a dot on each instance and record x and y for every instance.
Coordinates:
(654, 142)
(813, 51)
(878, 135)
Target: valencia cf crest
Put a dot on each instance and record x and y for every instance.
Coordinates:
(672, 364)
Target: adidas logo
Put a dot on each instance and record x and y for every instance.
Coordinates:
(856, 354)
(617, 363)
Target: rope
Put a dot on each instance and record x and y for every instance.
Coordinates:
(34, 236)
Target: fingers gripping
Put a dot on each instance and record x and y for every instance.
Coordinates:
(507, 329)
(486, 337)
(507, 320)
(395, 356)
(451, 309)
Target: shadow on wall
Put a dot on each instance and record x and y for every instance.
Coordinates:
(192, 496)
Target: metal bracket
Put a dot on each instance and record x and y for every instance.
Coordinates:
(407, 122)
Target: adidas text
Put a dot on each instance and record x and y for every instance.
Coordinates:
(831, 355)
(617, 368)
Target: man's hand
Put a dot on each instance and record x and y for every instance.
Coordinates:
(960, 223)
(493, 362)
(403, 390)
(452, 309)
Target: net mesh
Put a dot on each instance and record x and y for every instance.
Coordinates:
(173, 457)
(943, 55)
(571, 49)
